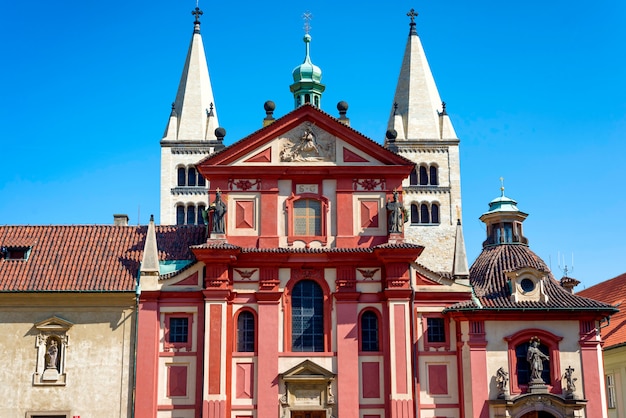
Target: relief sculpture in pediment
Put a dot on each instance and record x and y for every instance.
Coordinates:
(307, 144)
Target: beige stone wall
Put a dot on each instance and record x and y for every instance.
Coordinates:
(98, 357)
(438, 239)
(615, 364)
(169, 179)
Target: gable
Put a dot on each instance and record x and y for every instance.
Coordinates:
(306, 136)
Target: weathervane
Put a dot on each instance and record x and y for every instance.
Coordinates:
(307, 16)
(502, 185)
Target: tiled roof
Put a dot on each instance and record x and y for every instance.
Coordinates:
(302, 250)
(88, 258)
(613, 292)
(490, 283)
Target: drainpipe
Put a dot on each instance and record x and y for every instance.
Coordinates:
(135, 338)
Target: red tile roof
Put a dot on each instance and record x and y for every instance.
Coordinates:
(613, 292)
(88, 258)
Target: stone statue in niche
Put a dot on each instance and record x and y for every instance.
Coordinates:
(309, 146)
(570, 382)
(218, 207)
(395, 219)
(51, 354)
(535, 358)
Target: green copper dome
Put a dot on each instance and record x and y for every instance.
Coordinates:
(502, 204)
(307, 87)
(307, 71)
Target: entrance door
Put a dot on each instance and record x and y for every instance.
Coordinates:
(308, 414)
(539, 414)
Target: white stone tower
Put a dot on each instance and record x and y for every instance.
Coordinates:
(420, 129)
(190, 136)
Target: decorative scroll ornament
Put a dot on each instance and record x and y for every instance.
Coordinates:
(244, 184)
(368, 184)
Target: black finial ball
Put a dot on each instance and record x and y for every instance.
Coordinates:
(220, 133)
(342, 106)
(391, 134)
(269, 106)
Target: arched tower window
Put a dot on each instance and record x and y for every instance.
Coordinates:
(434, 180)
(415, 216)
(180, 215)
(424, 214)
(307, 317)
(201, 208)
(181, 176)
(245, 332)
(201, 181)
(434, 213)
(191, 215)
(191, 176)
(369, 332)
(423, 176)
(307, 98)
(413, 177)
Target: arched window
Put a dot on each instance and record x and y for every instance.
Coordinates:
(307, 217)
(307, 317)
(434, 213)
(201, 208)
(245, 332)
(317, 101)
(307, 98)
(415, 216)
(180, 215)
(369, 332)
(523, 366)
(424, 215)
(413, 177)
(433, 175)
(423, 176)
(201, 181)
(191, 176)
(181, 176)
(191, 215)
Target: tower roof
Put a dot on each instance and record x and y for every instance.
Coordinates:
(418, 112)
(194, 116)
(307, 84)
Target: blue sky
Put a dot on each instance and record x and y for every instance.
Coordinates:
(535, 91)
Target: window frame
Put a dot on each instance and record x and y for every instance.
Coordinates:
(446, 332)
(611, 398)
(296, 277)
(238, 315)
(377, 315)
(549, 340)
(167, 344)
(307, 239)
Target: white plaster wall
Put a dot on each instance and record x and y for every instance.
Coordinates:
(98, 359)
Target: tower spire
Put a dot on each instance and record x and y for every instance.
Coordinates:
(307, 77)
(419, 114)
(195, 94)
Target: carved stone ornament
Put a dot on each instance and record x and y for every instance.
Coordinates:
(307, 143)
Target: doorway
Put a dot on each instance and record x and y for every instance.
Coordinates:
(308, 414)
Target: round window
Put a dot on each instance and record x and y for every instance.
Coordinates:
(527, 285)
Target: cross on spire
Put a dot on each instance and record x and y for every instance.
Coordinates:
(307, 16)
(197, 13)
(412, 14)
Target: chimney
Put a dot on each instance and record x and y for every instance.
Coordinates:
(120, 219)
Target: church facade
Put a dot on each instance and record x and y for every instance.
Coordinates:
(305, 271)
(334, 281)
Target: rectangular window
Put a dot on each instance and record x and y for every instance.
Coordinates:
(178, 330)
(610, 391)
(307, 219)
(436, 330)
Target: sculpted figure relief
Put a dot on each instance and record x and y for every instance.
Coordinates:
(52, 354)
(308, 146)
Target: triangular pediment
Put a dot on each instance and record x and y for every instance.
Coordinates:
(307, 371)
(305, 136)
(53, 324)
